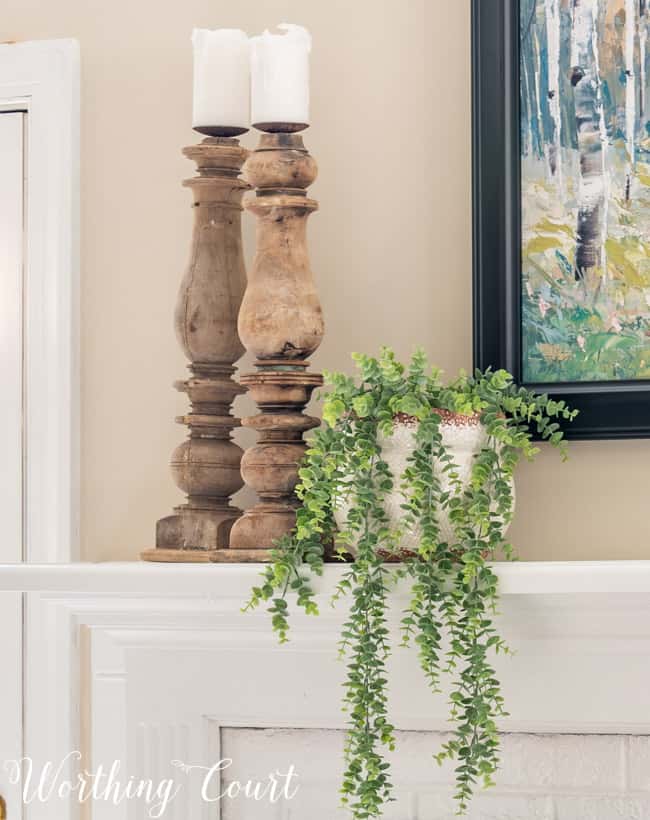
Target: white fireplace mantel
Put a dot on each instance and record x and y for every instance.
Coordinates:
(152, 662)
(601, 578)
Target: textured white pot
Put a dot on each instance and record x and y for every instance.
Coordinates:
(463, 437)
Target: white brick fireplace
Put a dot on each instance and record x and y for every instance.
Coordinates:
(546, 777)
(148, 664)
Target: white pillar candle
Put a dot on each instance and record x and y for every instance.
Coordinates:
(221, 81)
(280, 76)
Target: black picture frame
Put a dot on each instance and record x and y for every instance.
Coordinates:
(608, 410)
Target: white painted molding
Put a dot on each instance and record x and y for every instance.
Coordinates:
(42, 78)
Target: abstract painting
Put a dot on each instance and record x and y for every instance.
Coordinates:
(584, 144)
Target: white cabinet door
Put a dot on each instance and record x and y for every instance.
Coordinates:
(12, 197)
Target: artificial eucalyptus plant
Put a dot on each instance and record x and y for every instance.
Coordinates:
(453, 586)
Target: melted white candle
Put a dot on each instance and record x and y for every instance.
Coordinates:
(280, 76)
(221, 79)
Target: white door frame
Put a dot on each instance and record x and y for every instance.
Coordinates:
(42, 78)
(12, 210)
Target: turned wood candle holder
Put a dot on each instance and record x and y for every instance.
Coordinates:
(281, 323)
(207, 465)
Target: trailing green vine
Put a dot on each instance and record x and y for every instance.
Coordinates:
(453, 586)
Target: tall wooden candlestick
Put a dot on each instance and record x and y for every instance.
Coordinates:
(207, 465)
(281, 323)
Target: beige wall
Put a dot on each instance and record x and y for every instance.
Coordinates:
(390, 246)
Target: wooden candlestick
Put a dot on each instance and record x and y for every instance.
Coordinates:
(207, 465)
(281, 323)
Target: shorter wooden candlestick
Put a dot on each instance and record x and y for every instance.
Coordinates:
(281, 323)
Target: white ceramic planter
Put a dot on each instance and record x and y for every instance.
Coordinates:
(463, 436)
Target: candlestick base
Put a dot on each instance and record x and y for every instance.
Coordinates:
(271, 466)
(226, 556)
(176, 556)
(243, 556)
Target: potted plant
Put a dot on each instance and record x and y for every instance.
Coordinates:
(447, 453)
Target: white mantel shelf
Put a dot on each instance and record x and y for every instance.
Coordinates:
(235, 580)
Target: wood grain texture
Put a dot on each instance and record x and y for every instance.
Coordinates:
(206, 466)
(281, 322)
(281, 316)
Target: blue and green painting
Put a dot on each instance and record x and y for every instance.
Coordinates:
(585, 175)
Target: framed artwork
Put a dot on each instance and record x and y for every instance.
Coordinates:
(561, 187)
